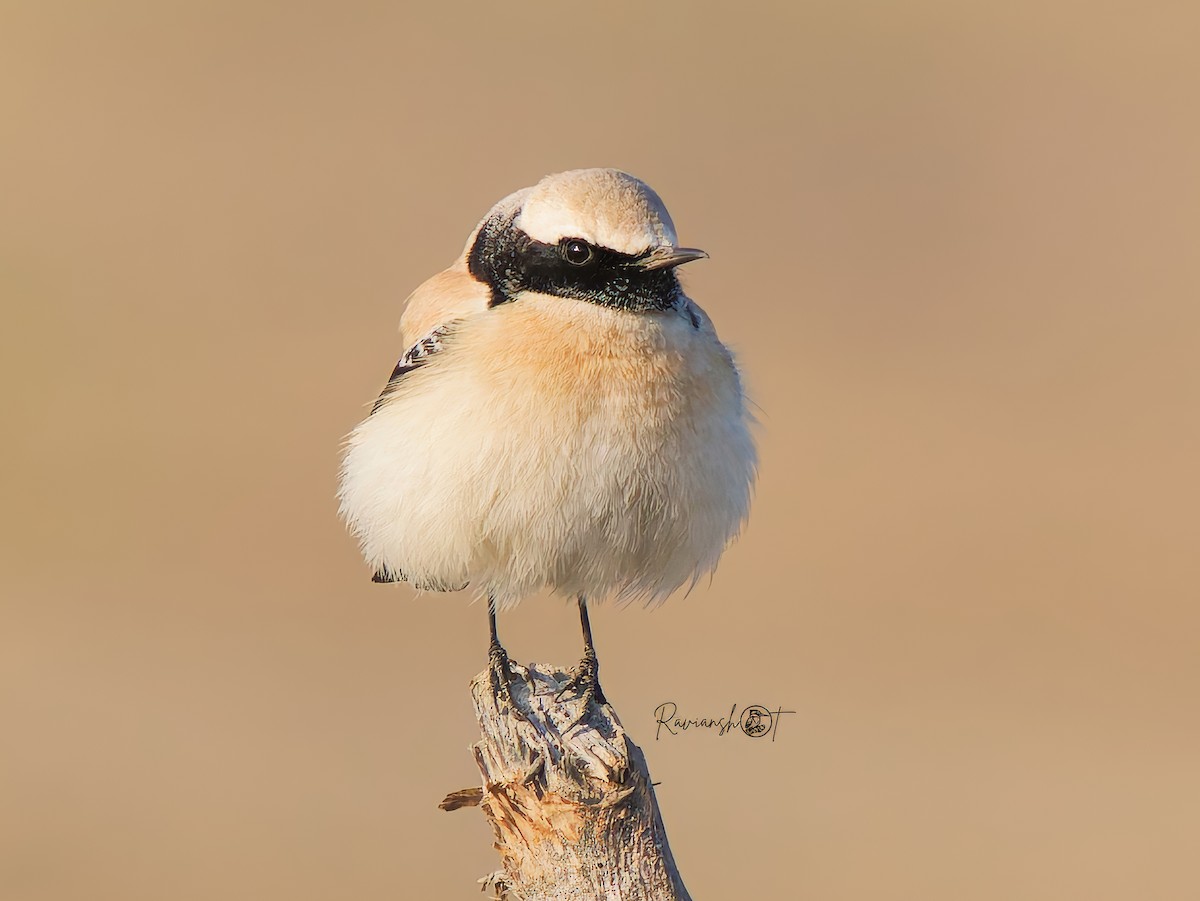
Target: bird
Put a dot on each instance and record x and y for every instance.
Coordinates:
(564, 417)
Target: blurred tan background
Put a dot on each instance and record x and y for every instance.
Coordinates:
(956, 250)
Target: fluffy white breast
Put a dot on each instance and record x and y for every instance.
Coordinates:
(556, 444)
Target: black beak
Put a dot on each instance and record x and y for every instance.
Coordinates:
(668, 257)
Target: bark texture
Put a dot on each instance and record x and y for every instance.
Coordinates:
(568, 796)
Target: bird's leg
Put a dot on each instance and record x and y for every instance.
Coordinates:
(589, 665)
(498, 663)
(585, 677)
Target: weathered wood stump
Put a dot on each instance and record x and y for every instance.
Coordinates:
(568, 796)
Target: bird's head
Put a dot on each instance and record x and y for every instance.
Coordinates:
(597, 235)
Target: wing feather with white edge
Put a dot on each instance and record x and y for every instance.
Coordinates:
(415, 356)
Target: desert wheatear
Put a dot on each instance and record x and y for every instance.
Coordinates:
(564, 418)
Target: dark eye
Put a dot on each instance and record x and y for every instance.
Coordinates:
(576, 252)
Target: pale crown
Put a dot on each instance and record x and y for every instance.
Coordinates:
(605, 207)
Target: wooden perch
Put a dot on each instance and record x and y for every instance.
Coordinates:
(568, 796)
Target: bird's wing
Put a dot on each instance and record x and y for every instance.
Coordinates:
(430, 314)
(699, 319)
(413, 357)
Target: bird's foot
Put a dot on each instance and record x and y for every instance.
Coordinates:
(500, 671)
(586, 683)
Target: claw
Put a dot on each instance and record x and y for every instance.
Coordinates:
(500, 668)
(501, 672)
(584, 680)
